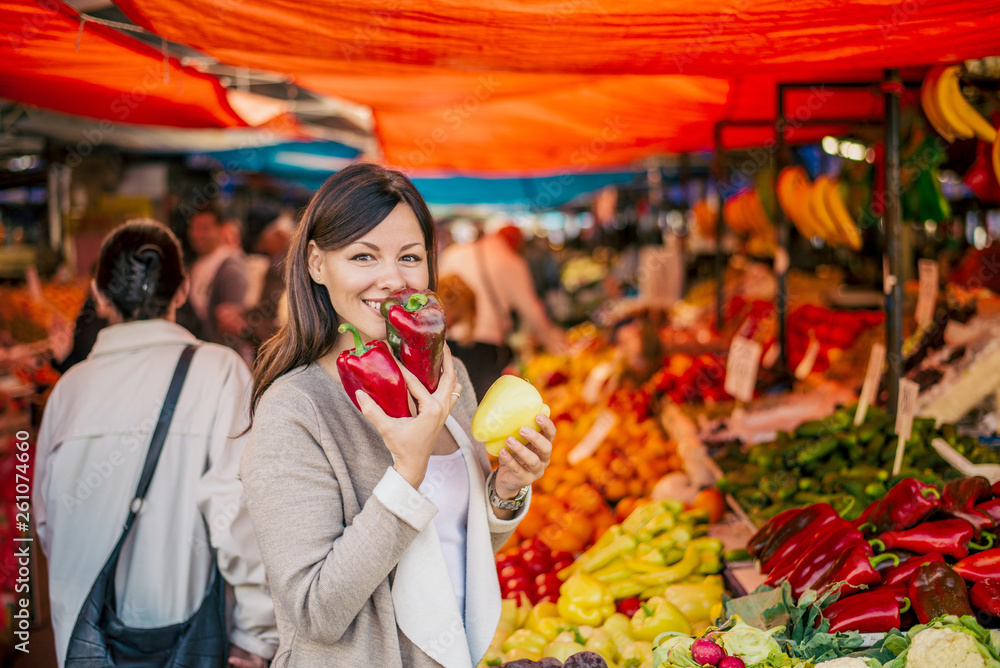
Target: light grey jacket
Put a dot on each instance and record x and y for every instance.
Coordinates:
(351, 552)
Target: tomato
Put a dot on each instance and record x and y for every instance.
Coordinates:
(711, 500)
(516, 594)
(512, 571)
(536, 561)
(509, 560)
(519, 583)
(629, 606)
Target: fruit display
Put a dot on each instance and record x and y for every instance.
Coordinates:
(26, 319)
(817, 209)
(569, 518)
(947, 109)
(834, 462)
(909, 557)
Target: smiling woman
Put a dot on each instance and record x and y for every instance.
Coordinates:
(377, 532)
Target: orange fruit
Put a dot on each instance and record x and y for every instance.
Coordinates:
(574, 476)
(615, 489)
(586, 499)
(559, 539)
(579, 525)
(713, 501)
(531, 523)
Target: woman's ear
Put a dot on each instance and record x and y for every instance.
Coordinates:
(103, 305)
(181, 295)
(314, 261)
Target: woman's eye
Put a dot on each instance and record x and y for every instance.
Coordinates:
(412, 258)
(362, 257)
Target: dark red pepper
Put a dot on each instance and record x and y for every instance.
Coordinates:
(965, 493)
(951, 538)
(799, 531)
(900, 575)
(760, 539)
(825, 545)
(875, 611)
(996, 488)
(909, 502)
(886, 566)
(373, 370)
(979, 520)
(985, 596)
(935, 590)
(818, 559)
(852, 570)
(982, 566)
(415, 328)
(990, 508)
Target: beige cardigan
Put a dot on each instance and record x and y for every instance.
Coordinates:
(351, 553)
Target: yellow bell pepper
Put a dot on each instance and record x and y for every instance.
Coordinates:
(695, 601)
(583, 599)
(656, 616)
(541, 611)
(509, 404)
(562, 650)
(616, 570)
(522, 653)
(600, 641)
(532, 641)
(619, 628)
(524, 608)
(550, 627)
(637, 652)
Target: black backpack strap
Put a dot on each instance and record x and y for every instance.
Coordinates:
(159, 436)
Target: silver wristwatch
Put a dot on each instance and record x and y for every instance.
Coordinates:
(505, 504)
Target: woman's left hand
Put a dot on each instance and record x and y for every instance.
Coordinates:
(522, 465)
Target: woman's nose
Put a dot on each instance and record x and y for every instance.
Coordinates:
(391, 278)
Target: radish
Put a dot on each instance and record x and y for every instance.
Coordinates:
(732, 662)
(707, 652)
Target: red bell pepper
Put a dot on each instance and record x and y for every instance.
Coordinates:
(818, 559)
(798, 531)
(966, 493)
(372, 369)
(875, 611)
(982, 566)
(760, 539)
(886, 566)
(935, 590)
(996, 488)
(951, 538)
(415, 328)
(979, 520)
(909, 502)
(900, 575)
(852, 570)
(985, 596)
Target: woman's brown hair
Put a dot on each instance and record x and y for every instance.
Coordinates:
(140, 269)
(349, 205)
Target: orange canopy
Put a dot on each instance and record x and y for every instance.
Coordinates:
(52, 59)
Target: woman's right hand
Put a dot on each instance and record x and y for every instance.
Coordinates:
(412, 440)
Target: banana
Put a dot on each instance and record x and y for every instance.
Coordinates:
(996, 157)
(929, 104)
(755, 209)
(846, 227)
(793, 186)
(730, 214)
(945, 93)
(980, 126)
(821, 214)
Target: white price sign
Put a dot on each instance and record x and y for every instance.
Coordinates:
(905, 407)
(872, 378)
(927, 297)
(741, 368)
(805, 367)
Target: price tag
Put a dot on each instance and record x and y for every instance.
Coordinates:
(596, 383)
(805, 367)
(741, 368)
(872, 378)
(927, 297)
(905, 408)
(605, 422)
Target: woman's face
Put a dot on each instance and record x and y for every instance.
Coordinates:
(359, 276)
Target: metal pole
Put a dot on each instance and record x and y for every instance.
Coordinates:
(781, 258)
(891, 90)
(720, 264)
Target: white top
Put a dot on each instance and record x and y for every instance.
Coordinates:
(91, 447)
(446, 484)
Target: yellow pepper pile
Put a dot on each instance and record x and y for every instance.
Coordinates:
(659, 553)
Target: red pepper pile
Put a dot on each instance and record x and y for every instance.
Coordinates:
(927, 536)
(531, 569)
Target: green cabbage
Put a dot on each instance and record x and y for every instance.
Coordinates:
(674, 651)
(749, 643)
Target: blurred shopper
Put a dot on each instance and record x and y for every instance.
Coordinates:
(267, 233)
(93, 442)
(502, 283)
(219, 275)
